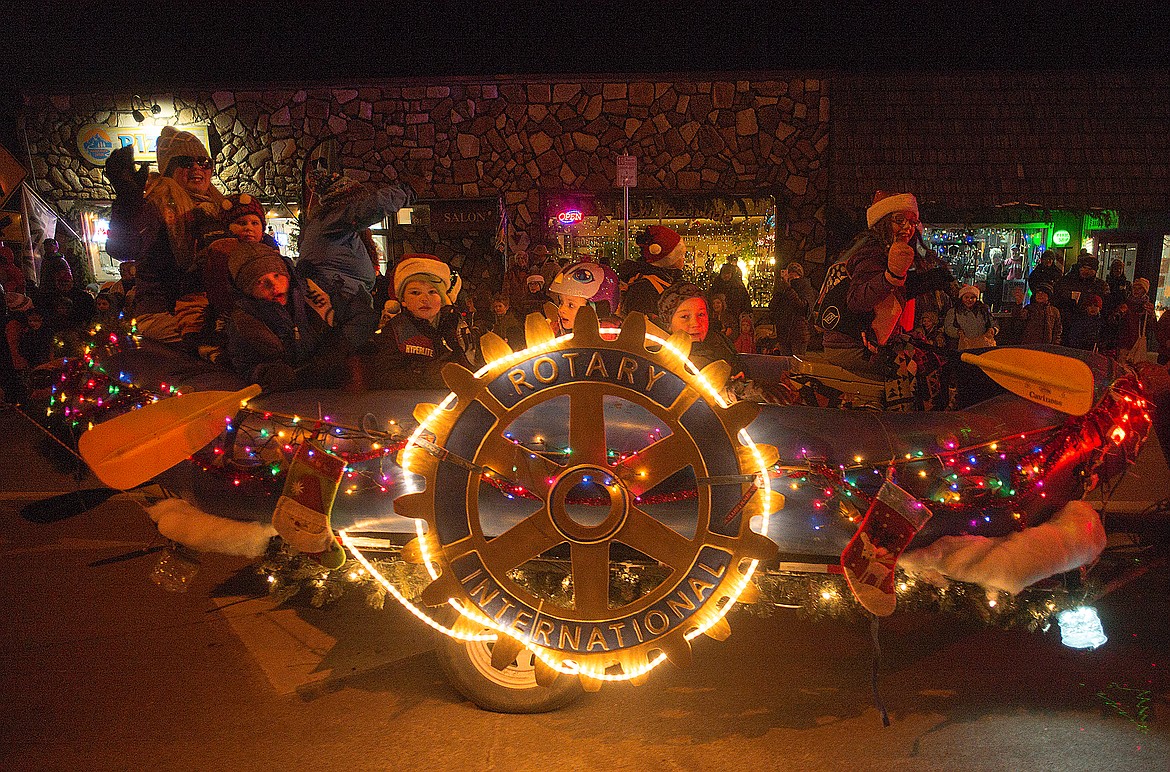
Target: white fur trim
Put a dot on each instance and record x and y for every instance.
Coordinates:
(900, 203)
(1072, 538)
(181, 521)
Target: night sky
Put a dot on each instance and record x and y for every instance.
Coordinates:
(76, 45)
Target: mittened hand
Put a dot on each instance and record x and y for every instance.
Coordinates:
(901, 257)
(127, 179)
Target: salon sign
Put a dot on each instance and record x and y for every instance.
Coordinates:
(96, 141)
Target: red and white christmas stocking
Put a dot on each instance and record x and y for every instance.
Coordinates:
(869, 561)
(302, 512)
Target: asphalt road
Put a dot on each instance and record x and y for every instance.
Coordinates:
(102, 669)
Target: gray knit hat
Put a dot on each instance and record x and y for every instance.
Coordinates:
(248, 261)
(173, 143)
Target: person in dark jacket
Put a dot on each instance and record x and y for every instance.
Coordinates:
(422, 333)
(729, 284)
(275, 338)
(505, 323)
(1041, 319)
(888, 267)
(1069, 296)
(68, 311)
(792, 301)
(333, 253)
(1082, 328)
(683, 308)
(164, 222)
(643, 281)
(1047, 272)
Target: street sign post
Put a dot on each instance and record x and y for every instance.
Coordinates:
(626, 177)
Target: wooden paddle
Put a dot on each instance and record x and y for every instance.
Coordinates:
(126, 451)
(1059, 382)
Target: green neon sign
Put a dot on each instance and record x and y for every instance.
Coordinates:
(1061, 238)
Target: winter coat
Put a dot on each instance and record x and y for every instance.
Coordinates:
(1044, 274)
(333, 253)
(869, 287)
(1041, 324)
(1072, 283)
(507, 325)
(646, 284)
(165, 231)
(716, 346)
(1082, 330)
(410, 352)
(1130, 315)
(734, 293)
(972, 323)
(792, 302)
(283, 347)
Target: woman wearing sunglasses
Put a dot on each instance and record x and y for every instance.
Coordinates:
(165, 221)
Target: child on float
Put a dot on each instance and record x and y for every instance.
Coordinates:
(420, 331)
(274, 337)
(683, 308)
(581, 284)
(1041, 318)
(969, 324)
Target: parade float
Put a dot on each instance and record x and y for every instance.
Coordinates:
(580, 511)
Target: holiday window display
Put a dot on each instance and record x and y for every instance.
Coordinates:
(559, 502)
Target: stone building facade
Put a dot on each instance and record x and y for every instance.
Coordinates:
(520, 140)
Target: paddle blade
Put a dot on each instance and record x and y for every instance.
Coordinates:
(1059, 382)
(128, 450)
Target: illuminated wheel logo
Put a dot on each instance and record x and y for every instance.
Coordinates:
(466, 451)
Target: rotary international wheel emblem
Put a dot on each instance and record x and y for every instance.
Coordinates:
(466, 451)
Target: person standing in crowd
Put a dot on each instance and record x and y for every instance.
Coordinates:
(993, 283)
(745, 342)
(422, 335)
(1082, 327)
(729, 283)
(1132, 318)
(333, 253)
(1069, 296)
(887, 267)
(1162, 336)
(11, 362)
(516, 279)
(67, 309)
(1047, 272)
(164, 222)
(534, 296)
(11, 275)
(123, 289)
(275, 338)
(505, 323)
(1119, 292)
(662, 255)
(720, 316)
(793, 299)
(969, 324)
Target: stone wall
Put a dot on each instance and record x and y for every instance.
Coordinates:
(516, 138)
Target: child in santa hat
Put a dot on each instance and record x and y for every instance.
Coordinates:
(420, 328)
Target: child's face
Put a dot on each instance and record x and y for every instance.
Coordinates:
(35, 321)
(718, 304)
(247, 228)
(422, 299)
(567, 310)
(102, 304)
(1040, 297)
(691, 317)
(499, 307)
(745, 325)
(1093, 310)
(272, 287)
(534, 287)
(969, 300)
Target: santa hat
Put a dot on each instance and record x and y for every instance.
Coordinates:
(237, 205)
(887, 203)
(173, 143)
(425, 268)
(662, 246)
(248, 261)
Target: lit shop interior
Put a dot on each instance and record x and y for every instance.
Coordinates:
(712, 228)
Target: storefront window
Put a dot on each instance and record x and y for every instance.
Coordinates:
(1162, 291)
(971, 250)
(712, 228)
